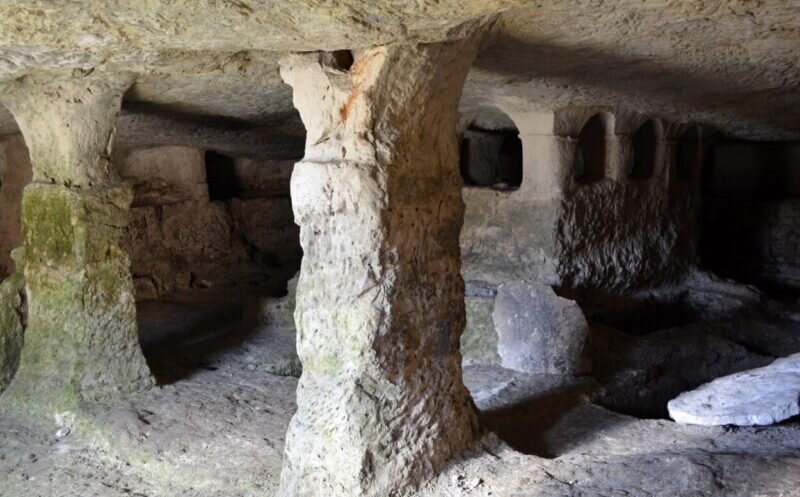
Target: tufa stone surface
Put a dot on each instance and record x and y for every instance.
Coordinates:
(81, 341)
(13, 315)
(760, 396)
(69, 124)
(381, 405)
(538, 331)
(479, 341)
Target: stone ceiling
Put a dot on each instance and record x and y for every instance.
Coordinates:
(210, 68)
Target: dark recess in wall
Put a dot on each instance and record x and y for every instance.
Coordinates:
(644, 151)
(751, 214)
(221, 176)
(590, 157)
(687, 154)
(491, 159)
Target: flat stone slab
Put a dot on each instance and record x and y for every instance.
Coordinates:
(760, 396)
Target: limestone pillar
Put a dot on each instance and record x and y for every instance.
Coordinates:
(81, 340)
(546, 156)
(380, 301)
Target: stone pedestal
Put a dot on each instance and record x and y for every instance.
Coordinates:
(380, 300)
(81, 341)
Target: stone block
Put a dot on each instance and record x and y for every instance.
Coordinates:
(538, 331)
(760, 396)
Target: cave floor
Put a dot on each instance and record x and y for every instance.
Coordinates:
(216, 424)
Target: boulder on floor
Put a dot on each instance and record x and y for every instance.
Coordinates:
(538, 331)
(760, 396)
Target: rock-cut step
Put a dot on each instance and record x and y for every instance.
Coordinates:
(760, 396)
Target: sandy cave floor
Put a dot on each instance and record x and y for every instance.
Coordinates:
(216, 425)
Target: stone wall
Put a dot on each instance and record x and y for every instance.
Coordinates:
(177, 238)
(15, 173)
(615, 234)
(619, 232)
(751, 213)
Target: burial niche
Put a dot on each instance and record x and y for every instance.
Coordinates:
(590, 157)
(687, 153)
(644, 151)
(491, 159)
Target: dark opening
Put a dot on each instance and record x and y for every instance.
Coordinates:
(749, 215)
(491, 159)
(590, 157)
(221, 176)
(687, 154)
(644, 151)
(343, 59)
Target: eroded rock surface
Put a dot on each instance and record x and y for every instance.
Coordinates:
(760, 396)
(538, 331)
(381, 405)
(13, 317)
(81, 340)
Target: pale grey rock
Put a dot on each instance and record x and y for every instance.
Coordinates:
(760, 396)
(479, 341)
(538, 331)
(81, 339)
(381, 406)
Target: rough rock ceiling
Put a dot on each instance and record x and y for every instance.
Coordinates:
(733, 64)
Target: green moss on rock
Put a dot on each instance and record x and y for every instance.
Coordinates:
(81, 342)
(479, 341)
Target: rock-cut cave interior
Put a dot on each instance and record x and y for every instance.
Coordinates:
(370, 248)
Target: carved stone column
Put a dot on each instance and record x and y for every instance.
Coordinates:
(81, 340)
(380, 302)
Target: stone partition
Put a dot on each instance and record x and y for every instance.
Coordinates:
(179, 239)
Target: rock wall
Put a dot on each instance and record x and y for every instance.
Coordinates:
(15, 173)
(618, 233)
(177, 238)
(751, 213)
(614, 234)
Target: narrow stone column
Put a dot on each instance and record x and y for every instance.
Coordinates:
(546, 166)
(380, 302)
(81, 340)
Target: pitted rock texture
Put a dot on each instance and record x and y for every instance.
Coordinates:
(381, 404)
(617, 234)
(760, 396)
(15, 173)
(177, 236)
(538, 331)
(69, 124)
(623, 236)
(81, 340)
(479, 341)
(13, 317)
(206, 56)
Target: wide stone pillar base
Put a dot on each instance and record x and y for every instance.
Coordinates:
(380, 300)
(81, 341)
